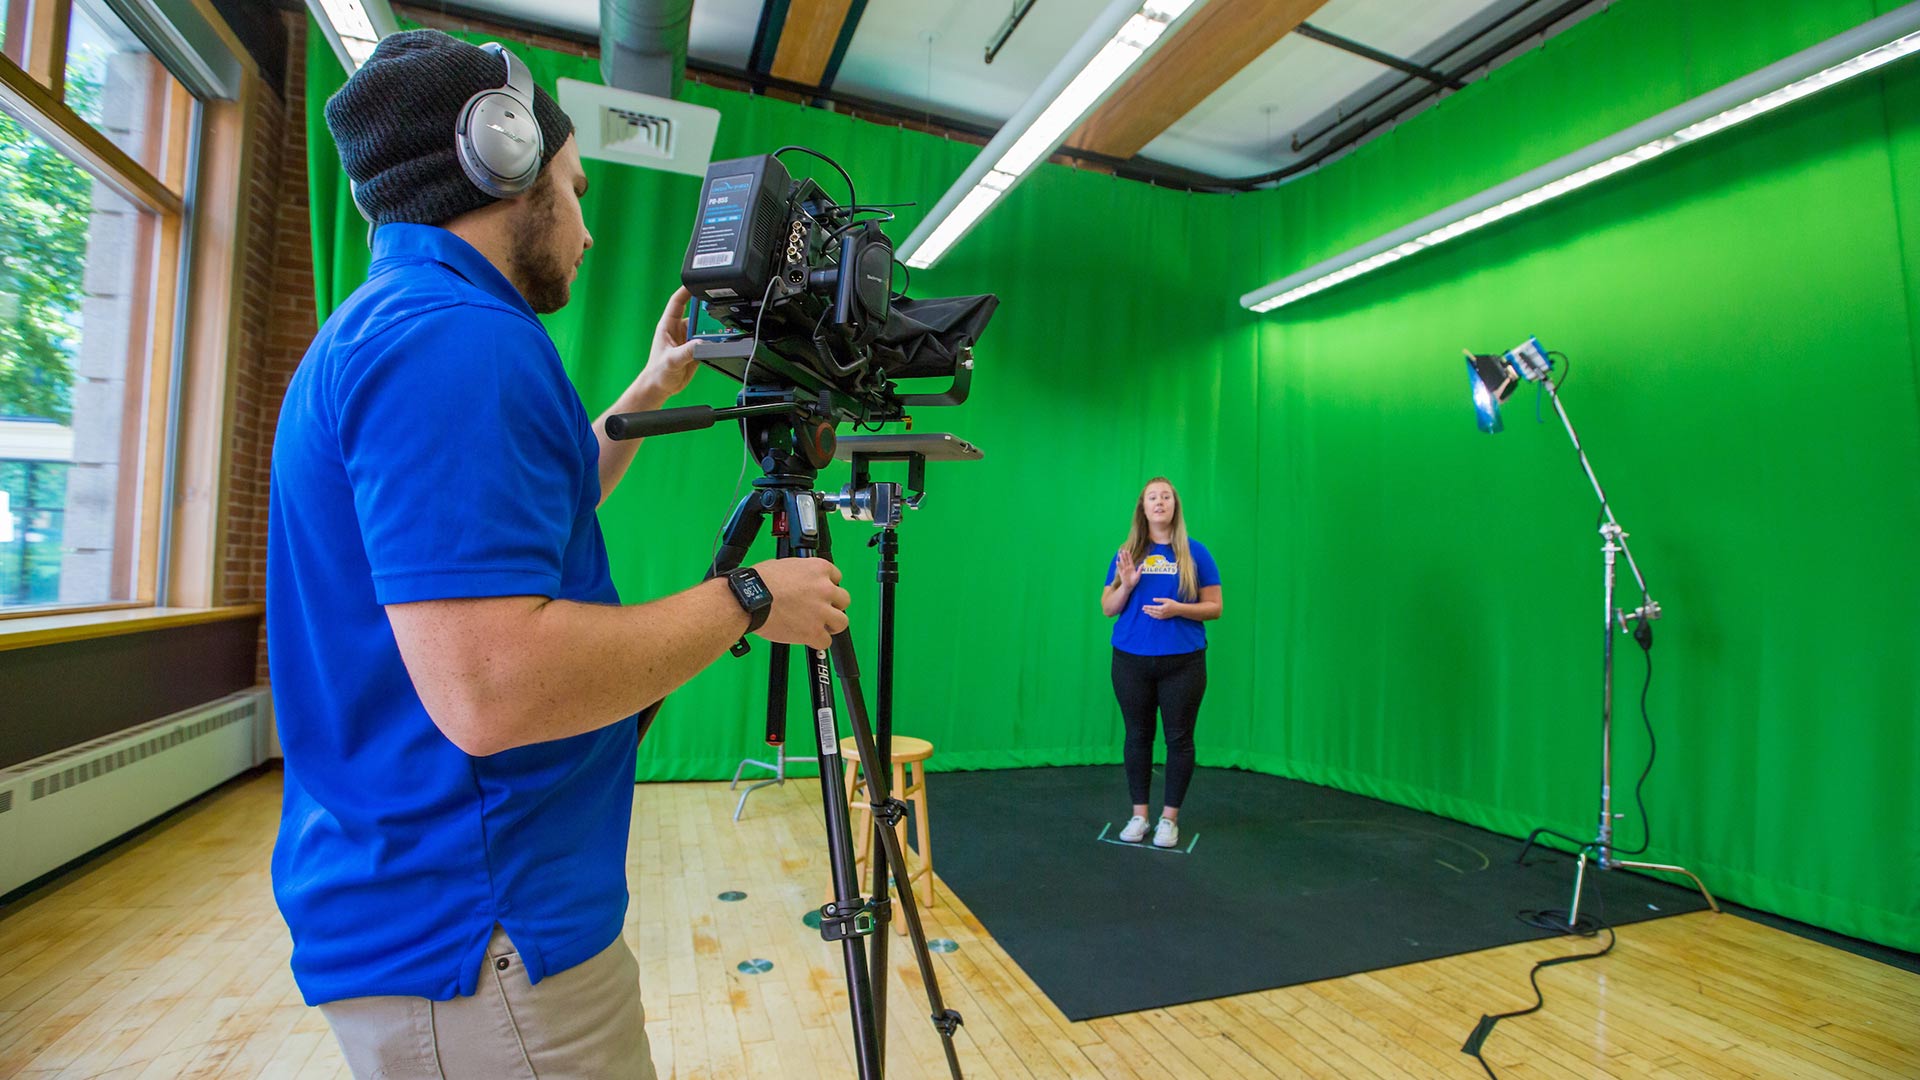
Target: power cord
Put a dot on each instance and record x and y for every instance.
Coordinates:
(746, 452)
(1643, 633)
(1540, 388)
(853, 198)
(1484, 1028)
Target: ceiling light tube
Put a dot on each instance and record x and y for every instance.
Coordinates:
(1864, 48)
(353, 27)
(1124, 34)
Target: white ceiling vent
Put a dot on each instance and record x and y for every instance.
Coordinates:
(640, 129)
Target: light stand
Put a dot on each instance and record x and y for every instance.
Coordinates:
(1493, 380)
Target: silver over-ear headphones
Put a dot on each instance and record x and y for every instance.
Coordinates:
(497, 137)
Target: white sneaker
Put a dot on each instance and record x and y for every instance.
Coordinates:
(1135, 831)
(1165, 834)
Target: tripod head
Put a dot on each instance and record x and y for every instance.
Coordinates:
(791, 433)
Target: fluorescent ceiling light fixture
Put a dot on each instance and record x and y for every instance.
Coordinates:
(1111, 47)
(1865, 48)
(353, 27)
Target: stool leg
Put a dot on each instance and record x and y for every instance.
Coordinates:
(900, 792)
(900, 835)
(924, 827)
(854, 784)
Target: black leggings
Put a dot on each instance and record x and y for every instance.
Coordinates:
(1172, 685)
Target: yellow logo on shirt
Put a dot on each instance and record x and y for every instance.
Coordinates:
(1159, 564)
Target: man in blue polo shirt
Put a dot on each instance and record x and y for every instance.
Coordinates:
(454, 677)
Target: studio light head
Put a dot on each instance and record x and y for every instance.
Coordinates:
(1493, 378)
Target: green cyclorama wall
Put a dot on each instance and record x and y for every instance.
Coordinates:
(1409, 604)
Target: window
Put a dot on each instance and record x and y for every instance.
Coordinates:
(77, 264)
(114, 83)
(90, 225)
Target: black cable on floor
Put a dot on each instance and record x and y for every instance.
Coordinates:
(1485, 1027)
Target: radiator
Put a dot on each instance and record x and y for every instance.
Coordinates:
(57, 808)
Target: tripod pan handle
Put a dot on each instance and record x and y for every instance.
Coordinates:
(639, 425)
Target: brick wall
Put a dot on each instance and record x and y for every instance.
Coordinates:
(461, 24)
(276, 315)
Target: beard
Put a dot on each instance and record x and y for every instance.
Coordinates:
(543, 275)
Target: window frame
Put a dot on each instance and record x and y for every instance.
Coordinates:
(33, 89)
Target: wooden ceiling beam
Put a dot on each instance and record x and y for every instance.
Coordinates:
(812, 29)
(1213, 46)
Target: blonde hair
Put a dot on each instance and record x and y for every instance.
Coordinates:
(1140, 540)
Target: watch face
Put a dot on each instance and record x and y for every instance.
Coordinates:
(751, 590)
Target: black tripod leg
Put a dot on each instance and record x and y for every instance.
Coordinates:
(738, 534)
(735, 538)
(888, 574)
(777, 670)
(878, 865)
(846, 899)
(944, 1019)
(847, 917)
(877, 794)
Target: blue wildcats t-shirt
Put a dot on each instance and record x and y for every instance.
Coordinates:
(430, 447)
(1141, 634)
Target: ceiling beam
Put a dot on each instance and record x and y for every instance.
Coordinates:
(813, 28)
(1213, 46)
(1344, 44)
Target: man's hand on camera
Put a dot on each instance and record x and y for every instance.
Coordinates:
(670, 362)
(809, 606)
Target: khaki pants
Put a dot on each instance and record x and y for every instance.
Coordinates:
(583, 1023)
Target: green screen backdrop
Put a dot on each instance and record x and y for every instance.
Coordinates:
(1409, 603)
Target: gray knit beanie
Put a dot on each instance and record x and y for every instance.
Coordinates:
(394, 124)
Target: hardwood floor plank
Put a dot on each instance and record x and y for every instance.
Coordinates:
(166, 958)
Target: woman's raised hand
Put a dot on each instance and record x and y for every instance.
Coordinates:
(1126, 571)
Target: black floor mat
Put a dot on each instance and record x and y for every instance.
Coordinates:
(1285, 883)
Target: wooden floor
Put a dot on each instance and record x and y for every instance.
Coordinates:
(165, 958)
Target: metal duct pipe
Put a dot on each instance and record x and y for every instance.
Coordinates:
(643, 44)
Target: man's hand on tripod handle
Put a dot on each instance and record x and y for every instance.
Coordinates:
(809, 606)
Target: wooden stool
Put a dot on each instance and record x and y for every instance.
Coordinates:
(909, 786)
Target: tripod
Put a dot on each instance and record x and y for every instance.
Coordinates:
(1600, 850)
(791, 436)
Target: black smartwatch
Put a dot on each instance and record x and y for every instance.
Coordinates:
(752, 593)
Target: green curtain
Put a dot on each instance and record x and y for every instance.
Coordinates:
(1408, 603)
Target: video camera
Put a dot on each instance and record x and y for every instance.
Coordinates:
(803, 288)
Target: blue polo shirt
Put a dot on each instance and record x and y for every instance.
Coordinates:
(1141, 634)
(431, 447)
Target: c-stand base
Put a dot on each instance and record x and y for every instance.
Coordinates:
(778, 768)
(1596, 852)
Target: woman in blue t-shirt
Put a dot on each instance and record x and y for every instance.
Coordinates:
(1162, 586)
